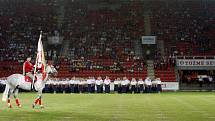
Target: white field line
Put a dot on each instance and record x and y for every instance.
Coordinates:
(3, 116)
(116, 113)
(67, 117)
(208, 100)
(193, 108)
(211, 117)
(157, 111)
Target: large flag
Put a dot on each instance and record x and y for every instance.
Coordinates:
(40, 62)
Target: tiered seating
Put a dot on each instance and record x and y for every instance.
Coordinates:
(104, 37)
(20, 25)
(184, 22)
(166, 75)
(103, 70)
(9, 67)
(184, 47)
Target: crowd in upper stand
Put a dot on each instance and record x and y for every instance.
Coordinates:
(184, 26)
(103, 33)
(21, 22)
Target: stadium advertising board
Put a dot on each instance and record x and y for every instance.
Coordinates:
(55, 40)
(170, 86)
(148, 39)
(195, 62)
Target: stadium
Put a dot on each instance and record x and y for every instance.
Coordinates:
(107, 60)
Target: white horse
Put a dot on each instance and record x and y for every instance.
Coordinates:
(16, 81)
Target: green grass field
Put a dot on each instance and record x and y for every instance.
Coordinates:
(171, 106)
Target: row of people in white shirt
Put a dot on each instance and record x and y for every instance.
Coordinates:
(92, 85)
(123, 85)
(106, 81)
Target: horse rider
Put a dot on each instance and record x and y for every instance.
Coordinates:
(28, 68)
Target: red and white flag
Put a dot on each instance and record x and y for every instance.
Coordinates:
(40, 60)
(40, 63)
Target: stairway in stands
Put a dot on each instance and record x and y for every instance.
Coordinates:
(61, 17)
(147, 25)
(138, 48)
(60, 13)
(150, 69)
(147, 29)
(65, 48)
(160, 46)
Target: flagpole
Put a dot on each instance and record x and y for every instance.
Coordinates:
(35, 65)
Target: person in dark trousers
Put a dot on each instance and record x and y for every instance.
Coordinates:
(107, 84)
(127, 82)
(133, 85)
(159, 85)
(72, 84)
(116, 84)
(120, 86)
(89, 84)
(81, 86)
(154, 85)
(99, 85)
(140, 85)
(93, 83)
(77, 81)
(200, 81)
(148, 84)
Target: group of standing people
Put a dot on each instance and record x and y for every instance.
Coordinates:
(99, 85)
(137, 86)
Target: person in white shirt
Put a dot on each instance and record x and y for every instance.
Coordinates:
(200, 81)
(127, 82)
(93, 83)
(80, 85)
(154, 85)
(60, 86)
(51, 89)
(72, 85)
(159, 85)
(89, 84)
(65, 83)
(120, 85)
(124, 83)
(107, 84)
(140, 85)
(76, 89)
(84, 85)
(116, 84)
(99, 85)
(133, 85)
(210, 81)
(55, 85)
(148, 84)
(47, 86)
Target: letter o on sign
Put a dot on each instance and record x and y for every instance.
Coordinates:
(181, 63)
